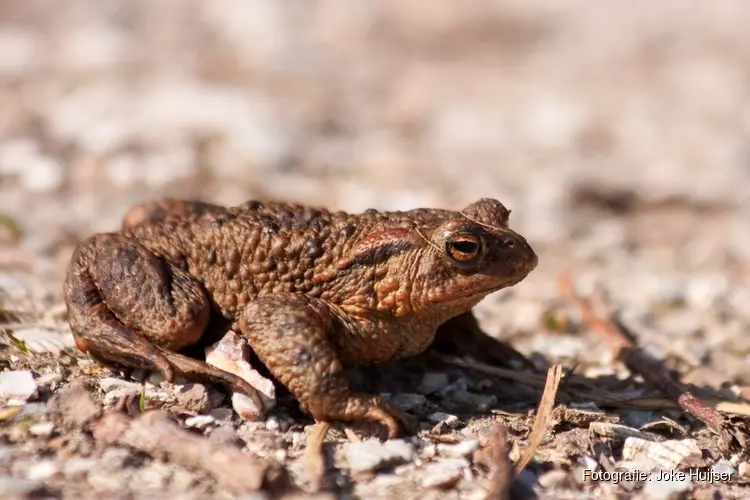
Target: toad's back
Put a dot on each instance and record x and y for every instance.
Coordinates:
(254, 249)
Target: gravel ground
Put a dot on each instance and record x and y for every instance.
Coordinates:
(619, 137)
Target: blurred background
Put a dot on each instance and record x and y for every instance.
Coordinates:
(619, 135)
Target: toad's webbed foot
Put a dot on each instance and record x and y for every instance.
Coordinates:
(289, 333)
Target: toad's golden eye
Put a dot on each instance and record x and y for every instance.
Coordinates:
(463, 247)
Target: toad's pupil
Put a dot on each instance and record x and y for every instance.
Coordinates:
(466, 247)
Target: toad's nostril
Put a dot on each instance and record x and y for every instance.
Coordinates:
(509, 242)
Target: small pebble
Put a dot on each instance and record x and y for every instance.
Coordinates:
(724, 467)
(439, 417)
(17, 385)
(552, 479)
(665, 490)
(371, 455)
(33, 410)
(200, 421)
(444, 473)
(432, 382)
(110, 384)
(43, 174)
(479, 402)
(192, 398)
(224, 434)
(407, 401)
(6, 455)
(272, 424)
(77, 466)
(42, 429)
(462, 449)
(51, 380)
(16, 487)
(42, 470)
(41, 340)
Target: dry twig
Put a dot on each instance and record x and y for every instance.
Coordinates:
(315, 460)
(155, 434)
(543, 418)
(500, 478)
(652, 371)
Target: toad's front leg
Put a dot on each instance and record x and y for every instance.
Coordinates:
(290, 334)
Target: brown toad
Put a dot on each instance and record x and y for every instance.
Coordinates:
(312, 291)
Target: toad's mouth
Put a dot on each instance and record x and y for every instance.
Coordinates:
(475, 291)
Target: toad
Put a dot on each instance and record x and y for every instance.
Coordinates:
(312, 291)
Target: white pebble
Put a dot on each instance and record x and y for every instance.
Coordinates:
(200, 421)
(42, 429)
(43, 174)
(43, 470)
(17, 385)
(371, 455)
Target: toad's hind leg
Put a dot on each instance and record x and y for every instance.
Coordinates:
(130, 308)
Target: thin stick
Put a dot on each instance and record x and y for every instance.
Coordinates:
(315, 460)
(155, 434)
(543, 419)
(500, 478)
(637, 361)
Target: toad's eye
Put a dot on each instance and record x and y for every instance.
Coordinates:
(463, 247)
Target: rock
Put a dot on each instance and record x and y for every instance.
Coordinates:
(74, 406)
(40, 340)
(479, 402)
(231, 354)
(553, 479)
(17, 386)
(15, 487)
(34, 411)
(6, 455)
(224, 434)
(744, 469)
(192, 398)
(432, 382)
(50, 380)
(444, 473)
(667, 455)
(637, 418)
(43, 470)
(406, 401)
(42, 429)
(666, 489)
(42, 174)
(79, 467)
(724, 467)
(110, 384)
(703, 290)
(222, 414)
(372, 455)
(200, 421)
(446, 419)
(154, 477)
(462, 449)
